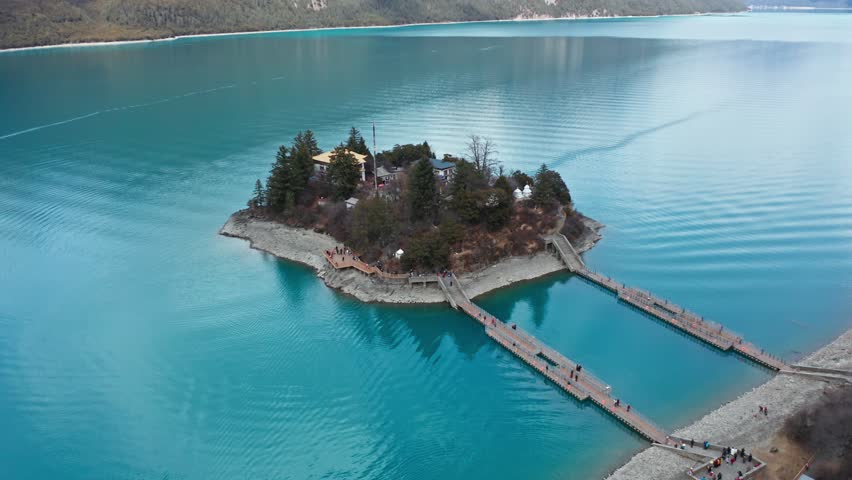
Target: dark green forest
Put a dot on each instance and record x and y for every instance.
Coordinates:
(44, 22)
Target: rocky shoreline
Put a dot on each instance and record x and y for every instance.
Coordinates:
(137, 36)
(737, 423)
(306, 247)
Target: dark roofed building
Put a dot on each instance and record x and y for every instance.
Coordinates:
(384, 175)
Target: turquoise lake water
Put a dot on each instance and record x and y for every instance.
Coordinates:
(136, 343)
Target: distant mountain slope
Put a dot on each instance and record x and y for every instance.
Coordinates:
(43, 22)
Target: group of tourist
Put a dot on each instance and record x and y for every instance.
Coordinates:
(574, 374)
(729, 455)
(764, 410)
(341, 251)
(346, 252)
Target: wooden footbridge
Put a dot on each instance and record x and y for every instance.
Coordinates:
(564, 373)
(678, 317)
(342, 259)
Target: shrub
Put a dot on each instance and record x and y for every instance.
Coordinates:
(427, 251)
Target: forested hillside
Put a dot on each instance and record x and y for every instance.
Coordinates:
(43, 22)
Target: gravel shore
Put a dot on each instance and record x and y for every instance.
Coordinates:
(306, 246)
(737, 423)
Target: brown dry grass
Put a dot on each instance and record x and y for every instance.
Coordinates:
(786, 462)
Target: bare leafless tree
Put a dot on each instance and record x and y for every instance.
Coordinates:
(482, 152)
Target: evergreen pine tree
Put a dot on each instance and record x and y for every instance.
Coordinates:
(259, 198)
(521, 179)
(303, 152)
(503, 184)
(362, 148)
(549, 189)
(373, 223)
(465, 189)
(343, 174)
(309, 142)
(427, 150)
(498, 208)
(354, 138)
(278, 186)
(422, 192)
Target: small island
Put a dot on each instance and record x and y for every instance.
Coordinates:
(406, 215)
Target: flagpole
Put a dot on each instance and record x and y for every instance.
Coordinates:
(375, 171)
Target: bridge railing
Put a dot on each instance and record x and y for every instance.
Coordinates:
(346, 261)
(600, 278)
(573, 251)
(564, 362)
(689, 321)
(565, 371)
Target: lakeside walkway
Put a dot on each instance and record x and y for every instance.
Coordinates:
(341, 260)
(584, 386)
(575, 380)
(674, 315)
(566, 374)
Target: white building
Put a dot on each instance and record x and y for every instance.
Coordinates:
(442, 169)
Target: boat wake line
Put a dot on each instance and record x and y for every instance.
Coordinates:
(115, 109)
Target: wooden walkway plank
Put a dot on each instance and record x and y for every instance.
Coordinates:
(557, 368)
(341, 261)
(670, 313)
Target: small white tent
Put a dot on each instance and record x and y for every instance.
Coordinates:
(398, 253)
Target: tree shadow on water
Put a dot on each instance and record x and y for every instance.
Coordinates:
(295, 279)
(534, 293)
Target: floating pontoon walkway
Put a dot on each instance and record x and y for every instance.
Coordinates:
(566, 374)
(670, 313)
